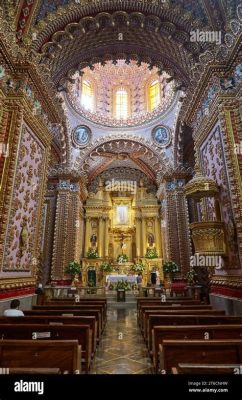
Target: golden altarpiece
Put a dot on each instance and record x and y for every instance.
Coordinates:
(121, 223)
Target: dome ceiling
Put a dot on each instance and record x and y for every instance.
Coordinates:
(105, 79)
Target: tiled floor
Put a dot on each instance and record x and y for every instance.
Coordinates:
(122, 349)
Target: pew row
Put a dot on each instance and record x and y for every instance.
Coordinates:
(69, 313)
(82, 333)
(176, 320)
(56, 320)
(191, 332)
(62, 354)
(73, 307)
(207, 369)
(174, 352)
(145, 325)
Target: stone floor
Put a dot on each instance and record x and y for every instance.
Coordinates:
(122, 349)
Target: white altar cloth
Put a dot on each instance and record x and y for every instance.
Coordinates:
(116, 278)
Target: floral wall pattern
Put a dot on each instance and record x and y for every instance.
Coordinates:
(214, 166)
(23, 216)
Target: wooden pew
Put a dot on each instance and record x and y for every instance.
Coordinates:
(174, 352)
(146, 314)
(191, 332)
(74, 307)
(62, 354)
(60, 302)
(70, 313)
(144, 308)
(34, 371)
(82, 333)
(176, 320)
(56, 320)
(206, 369)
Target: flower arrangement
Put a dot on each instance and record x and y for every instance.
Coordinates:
(170, 267)
(190, 276)
(138, 267)
(92, 253)
(123, 285)
(106, 267)
(73, 268)
(151, 253)
(122, 258)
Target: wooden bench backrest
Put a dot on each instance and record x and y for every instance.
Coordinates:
(82, 333)
(173, 352)
(62, 354)
(55, 320)
(146, 314)
(192, 332)
(206, 369)
(69, 314)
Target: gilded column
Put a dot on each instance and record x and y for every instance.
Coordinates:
(143, 234)
(100, 239)
(138, 237)
(158, 236)
(106, 237)
(87, 235)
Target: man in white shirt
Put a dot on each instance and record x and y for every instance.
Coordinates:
(14, 310)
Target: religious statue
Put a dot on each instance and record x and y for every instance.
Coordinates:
(151, 239)
(93, 240)
(23, 237)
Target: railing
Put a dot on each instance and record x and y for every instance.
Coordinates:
(68, 291)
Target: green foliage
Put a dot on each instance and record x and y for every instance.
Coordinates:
(190, 276)
(122, 258)
(91, 283)
(170, 267)
(151, 253)
(73, 268)
(106, 267)
(138, 267)
(122, 285)
(92, 253)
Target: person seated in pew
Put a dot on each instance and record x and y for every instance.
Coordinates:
(14, 311)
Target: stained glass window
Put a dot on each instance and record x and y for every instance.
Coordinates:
(121, 104)
(87, 95)
(154, 95)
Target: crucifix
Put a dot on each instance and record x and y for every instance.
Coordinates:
(122, 244)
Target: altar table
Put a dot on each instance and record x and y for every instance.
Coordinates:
(116, 278)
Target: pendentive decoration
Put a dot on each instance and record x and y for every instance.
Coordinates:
(161, 135)
(81, 136)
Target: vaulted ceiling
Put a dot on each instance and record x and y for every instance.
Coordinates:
(74, 34)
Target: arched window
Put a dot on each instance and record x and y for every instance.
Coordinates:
(153, 95)
(121, 103)
(87, 95)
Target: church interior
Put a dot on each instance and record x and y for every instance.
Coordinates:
(120, 187)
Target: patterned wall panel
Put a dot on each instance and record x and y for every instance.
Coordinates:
(23, 214)
(214, 166)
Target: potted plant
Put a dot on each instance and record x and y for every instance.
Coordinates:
(138, 267)
(92, 253)
(106, 267)
(151, 253)
(73, 269)
(122, 258)
(170, 268)
(123, 285)
(190, 277)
